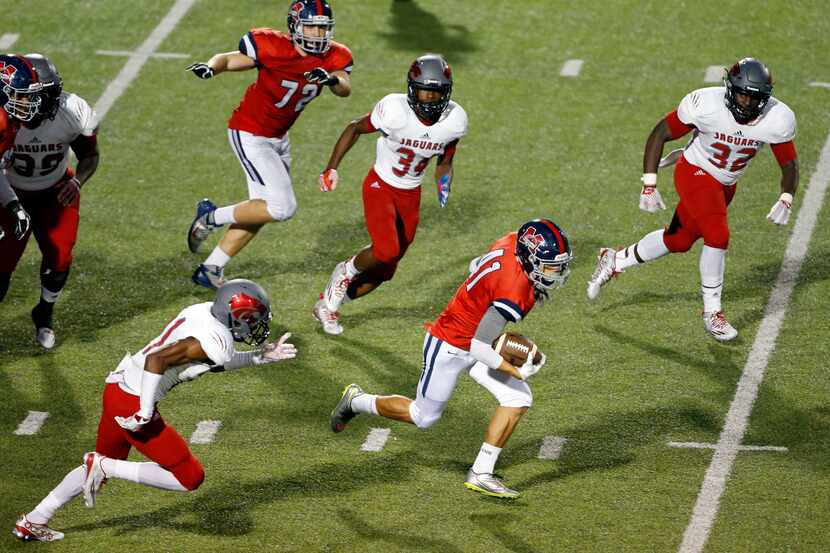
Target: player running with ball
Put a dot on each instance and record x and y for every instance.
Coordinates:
(503, 286)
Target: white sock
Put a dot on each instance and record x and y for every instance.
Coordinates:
(148, 474)
(365, 403)
(486, 460)
(351, 270)
(712, 267)
(224, 215)
(649, 248)
(217, 257)
(72, 485)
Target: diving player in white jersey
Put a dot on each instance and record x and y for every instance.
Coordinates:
(198, 340)
(731, 124)
(48, 189)
(414, 128)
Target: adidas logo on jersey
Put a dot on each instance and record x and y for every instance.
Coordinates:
(374, 185)
(34, 140)
(425, 135)
(739, 133)
(700, 173)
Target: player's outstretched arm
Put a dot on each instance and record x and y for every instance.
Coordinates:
(270, 353)
(227, 61)
(329, 177)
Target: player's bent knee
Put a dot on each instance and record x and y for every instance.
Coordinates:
(423, 418)
(189, 473)
(679, 242)
(282, 212)
(717, 238)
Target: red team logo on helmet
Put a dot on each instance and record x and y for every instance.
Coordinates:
(532, 240)
(7, 73)
(243, 307)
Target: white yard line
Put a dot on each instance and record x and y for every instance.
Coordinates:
(205, 432)
(32, 423)
(138, 58)
(7, 40)
(571, 68)
(714, 74)
(823, 85)
(551, 447)
(127, 53)
(698, 445)
(714, 483)
(376, 439)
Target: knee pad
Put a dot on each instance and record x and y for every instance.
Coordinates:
(519, 398)
(282, 212)
(54, 281)
(716, 235)
(189, 473)
(677, 239)
(426, 414)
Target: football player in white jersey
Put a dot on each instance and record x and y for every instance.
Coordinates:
(48, 189)
(731, 124)
(414, 128)
(200, 339)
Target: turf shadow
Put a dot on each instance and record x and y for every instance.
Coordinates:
(414, 29)
(392, 541)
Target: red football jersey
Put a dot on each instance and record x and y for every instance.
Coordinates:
(272, 104)
(8, 130)
(497, 279)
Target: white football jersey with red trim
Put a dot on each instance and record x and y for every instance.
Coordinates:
(720, 145)
(195, 321)
(407, 144)
(41, 155)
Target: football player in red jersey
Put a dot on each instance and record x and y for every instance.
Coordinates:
(503, 286)
(49, 189)
(20, 100)
(292, 69)
(200, 339)
(731, 124)
(413, 128)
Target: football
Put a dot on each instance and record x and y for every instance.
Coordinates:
(515, 348)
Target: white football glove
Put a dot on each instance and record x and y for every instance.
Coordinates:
(650, 199)
(780, 212)
(328, 180)
(529, 368)
(132, 423)
(278, 351)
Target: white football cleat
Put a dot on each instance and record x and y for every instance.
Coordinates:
(95, 477)
(716, 324)
(24, 530)
(329, 319)
(336, 288)
(46, 338)
(489, 484)
(606, 268)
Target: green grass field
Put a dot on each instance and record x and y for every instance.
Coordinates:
(625, 375)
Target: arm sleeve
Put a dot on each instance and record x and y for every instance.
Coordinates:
(677, 128)
(241, 359)
(6, 193)
(491, 326)
(784, 152)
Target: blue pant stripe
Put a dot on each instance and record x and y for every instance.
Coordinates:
(438, 344)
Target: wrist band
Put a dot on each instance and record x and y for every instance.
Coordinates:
(649, 179)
